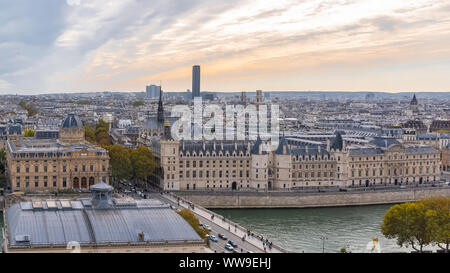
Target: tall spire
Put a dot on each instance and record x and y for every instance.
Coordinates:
(414, 100)
(160, 107)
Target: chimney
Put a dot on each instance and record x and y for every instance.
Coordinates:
(141, 236)
(328, 144)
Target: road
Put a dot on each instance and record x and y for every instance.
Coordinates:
(218, 225)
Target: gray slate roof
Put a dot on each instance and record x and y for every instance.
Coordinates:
(72, 121)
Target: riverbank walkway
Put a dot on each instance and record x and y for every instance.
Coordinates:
(259, 241)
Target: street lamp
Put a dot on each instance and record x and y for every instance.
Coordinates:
(323, 238)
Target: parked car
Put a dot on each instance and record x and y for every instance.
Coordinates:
(233, 244)
(222, 236)
(213, 238)
(402, 187)
(229, 247)
(342, 189)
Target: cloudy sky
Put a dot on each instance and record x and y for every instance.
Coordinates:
(49, 46)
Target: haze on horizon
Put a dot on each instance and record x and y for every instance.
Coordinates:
(54, 46)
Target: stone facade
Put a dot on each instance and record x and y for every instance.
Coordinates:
(47, 165)
(243, 165)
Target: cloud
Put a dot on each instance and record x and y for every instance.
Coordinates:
(50, 46)
(5, 86)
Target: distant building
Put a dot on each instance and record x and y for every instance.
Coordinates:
(440, 125)
(243, 97)
(68, 162)
(418, 125)
(195, 81)
(414, 105)
(98, 224)
(446, 161)
(259, 97)
(153, 91)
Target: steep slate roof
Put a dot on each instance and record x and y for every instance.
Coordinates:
(283, 147)
(384, 142)
(421, 149)
(208, 146)
(255, 149)
(152, 123)
(365, 151)
(72, 121)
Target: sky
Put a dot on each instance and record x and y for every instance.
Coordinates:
(54, 46)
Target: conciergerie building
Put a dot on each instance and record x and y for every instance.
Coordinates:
(295, 164)
(68, 162)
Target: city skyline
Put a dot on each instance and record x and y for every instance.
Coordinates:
(81, 46)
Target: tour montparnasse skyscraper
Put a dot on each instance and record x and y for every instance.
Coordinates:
(195, 81)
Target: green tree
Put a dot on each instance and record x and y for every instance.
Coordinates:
(143, 162)
(120, 162)
(2, 159)
(101, 133)
(438, 210)
(138, 103)
(2, 180)
(29, 133)
(409, 223)
(89, 134)
(193, 221)
(2, 168)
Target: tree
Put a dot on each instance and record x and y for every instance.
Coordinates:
(2, 168)
(29, 133)
(2, 160)
(2, 180)
(120, 162)
(101, 133)
(89, 134)
(438, 209)
(409, 223)
(143, 162)
(193, 221)
(138, 103)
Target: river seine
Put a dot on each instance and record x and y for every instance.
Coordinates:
(301, 230)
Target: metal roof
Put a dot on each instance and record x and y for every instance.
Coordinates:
(57, 222)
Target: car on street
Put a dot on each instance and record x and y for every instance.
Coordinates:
(229, 247)
(402, 187)
(207, 227)
(213, 238)
(233, 244)
(222, 236)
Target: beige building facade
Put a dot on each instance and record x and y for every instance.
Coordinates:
(234, 165)
(47, 165)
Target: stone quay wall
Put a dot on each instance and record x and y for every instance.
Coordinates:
(307, 200)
